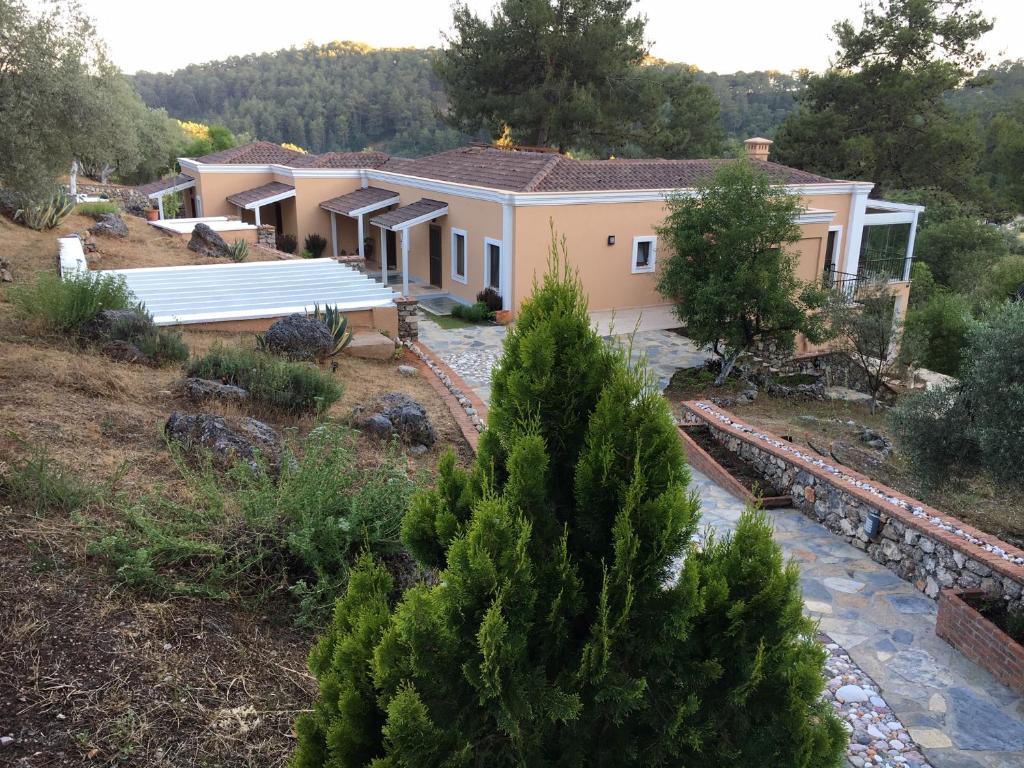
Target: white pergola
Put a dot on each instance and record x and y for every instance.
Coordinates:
(356, 205)
(158, 190)
(256, 198)
(401, 220)
(883, 212)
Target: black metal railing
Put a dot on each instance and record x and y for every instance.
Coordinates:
(874, 270)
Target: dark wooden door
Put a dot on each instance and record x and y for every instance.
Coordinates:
(392, 242)
(435, 256)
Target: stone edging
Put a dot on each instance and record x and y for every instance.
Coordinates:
(925, 547)
(473, 408)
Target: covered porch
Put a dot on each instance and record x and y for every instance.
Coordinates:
(275, 194)
(886, 246)
(354, 207)
(395, 226)
(156, 192)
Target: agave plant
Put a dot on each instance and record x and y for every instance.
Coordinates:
(47, 214)
(337, 323)
(238, 250)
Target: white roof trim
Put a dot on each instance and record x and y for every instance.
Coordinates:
(517, 199)
(418, 220)
(176, 188)
(815, 216)
(375, 206)
(268, 200)
(888, 205)
(878, 219)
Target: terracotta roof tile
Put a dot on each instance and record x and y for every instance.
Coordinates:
(514, 171)
(161, 184)
(407, 213)
(261, 192)
(358, 199)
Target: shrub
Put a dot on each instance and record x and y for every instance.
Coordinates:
(935, 332)
(315, 244)
(46, 214)
(64, 305)
(934, 434)
(172, 205)
(575, 622)
(238, 250)
(1003, 281)
(304, 254)
(96, 210)
(472, 313)
(490, 298)
(249, 532)
(40, 483)
(336, 323)
(160, 345)
(285, 386)
(286, 243)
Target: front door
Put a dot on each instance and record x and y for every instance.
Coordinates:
(392, 242)
(435, 256)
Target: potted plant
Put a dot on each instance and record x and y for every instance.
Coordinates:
(152, 214)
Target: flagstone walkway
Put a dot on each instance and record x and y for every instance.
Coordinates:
(955, 712)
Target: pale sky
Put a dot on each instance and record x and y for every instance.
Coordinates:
(716, 35)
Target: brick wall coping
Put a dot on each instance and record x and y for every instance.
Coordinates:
(995, 553)
(432, 366)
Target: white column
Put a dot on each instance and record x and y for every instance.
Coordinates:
(334, 235)
(160, 206)
(507, 249)
(405, 262)
(910, 248)
(256, 211)
(383, 256)
(858, 209)
(362, 254)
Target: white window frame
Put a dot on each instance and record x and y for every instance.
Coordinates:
(653, 240)
(489, 241)
(838, 253)
(463, 278)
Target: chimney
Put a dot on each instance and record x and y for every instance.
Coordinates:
(758, 148)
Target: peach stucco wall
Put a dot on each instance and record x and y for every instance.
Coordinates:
(383, 319)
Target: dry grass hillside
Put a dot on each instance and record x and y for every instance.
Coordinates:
(95, 672)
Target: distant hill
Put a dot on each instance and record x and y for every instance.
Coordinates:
(349, 96)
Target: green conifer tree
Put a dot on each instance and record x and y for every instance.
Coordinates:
(575, 622)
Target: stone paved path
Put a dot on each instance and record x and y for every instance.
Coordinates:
(473, 352)
(958, 715)
(956, 712)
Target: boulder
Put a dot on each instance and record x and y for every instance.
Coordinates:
(110, 225)
(125, 352)
(300, 338)
(206, 242)
(117, 323)
(395, 413)
(5, 272)
(226, 442)
(197, 390)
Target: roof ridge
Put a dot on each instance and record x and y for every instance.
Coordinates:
(543, 173)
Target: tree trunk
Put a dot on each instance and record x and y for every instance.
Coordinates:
(73, 178)
(727, 363)
(105, 172)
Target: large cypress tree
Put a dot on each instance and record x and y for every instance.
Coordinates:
(575, 622)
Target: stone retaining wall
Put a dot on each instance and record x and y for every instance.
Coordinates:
(126, 195)
(925, 547)
(266, 235)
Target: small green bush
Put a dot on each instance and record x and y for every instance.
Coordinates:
(46, 214)
(490, 298)
(286, 243)
(472, 313)
(935, 332)
(304, 254)
(249, 533)
(315, 244)
(289, 387)
(64, 305)
(160, 345)
(39, 483)
(932, 431)
(238, 250)
(96, 210)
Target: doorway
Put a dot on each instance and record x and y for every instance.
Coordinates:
(392, 243)
(492, 264)
(435, 256)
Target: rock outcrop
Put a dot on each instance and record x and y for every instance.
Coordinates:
(226, 442)
(299, 337)
(206, 242)
(395, 413)
(109, 225)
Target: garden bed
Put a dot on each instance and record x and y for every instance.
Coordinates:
(728, 470)
(982, 629)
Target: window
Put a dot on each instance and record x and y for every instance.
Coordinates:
(492, 264)
(644, 254)
(832, 249)
(459, 255)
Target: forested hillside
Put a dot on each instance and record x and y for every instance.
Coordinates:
(348, 96)
(339, 96)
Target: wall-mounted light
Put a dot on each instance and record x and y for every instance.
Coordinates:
(611, 239)
(873, 523)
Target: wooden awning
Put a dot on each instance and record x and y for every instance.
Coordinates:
(262, 195)
(361, 201)
(161, 187)
(421, 211)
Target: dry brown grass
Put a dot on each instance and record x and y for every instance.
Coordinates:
(28, 251)
(89, 673)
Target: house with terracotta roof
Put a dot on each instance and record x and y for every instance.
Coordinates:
(454, 223)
